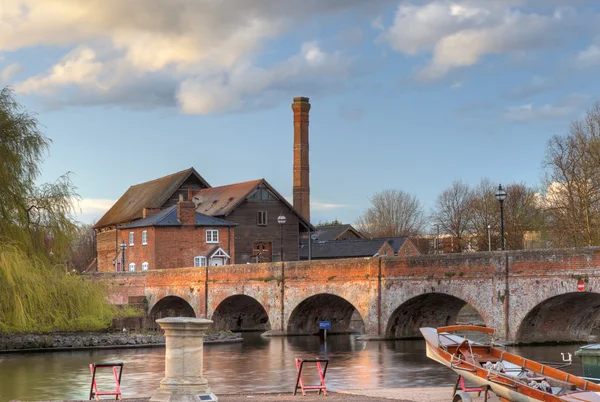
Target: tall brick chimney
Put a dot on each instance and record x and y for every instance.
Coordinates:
(301, 107)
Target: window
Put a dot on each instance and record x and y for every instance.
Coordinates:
(200, 261)
(132, 267)
(262, 194)
(144, 237)
(212, 236)
(131, 238)
(262, 218)
(144, 266)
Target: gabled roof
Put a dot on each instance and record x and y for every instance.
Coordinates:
(334, 232)
(342, 248)
(221, 201)
(151, 194)
(168, 217)
(395, 242)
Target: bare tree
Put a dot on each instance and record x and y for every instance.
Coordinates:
(393, 213)
(453, 212)
(84, 248)
(485, 215)
(522, 214)
(572, 181)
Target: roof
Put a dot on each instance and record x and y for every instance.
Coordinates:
(395, 242)
(221, 201)
(342, 248)
(333, 232)
(168, 217)
(151, 194)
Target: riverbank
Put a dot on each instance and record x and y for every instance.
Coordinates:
(70, 341)
(371, 395)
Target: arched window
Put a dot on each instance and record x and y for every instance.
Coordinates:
(132, 267)
(144, 266)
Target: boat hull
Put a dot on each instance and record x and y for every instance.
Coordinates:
(500, 390)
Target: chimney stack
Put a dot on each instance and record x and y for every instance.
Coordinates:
(301, 107)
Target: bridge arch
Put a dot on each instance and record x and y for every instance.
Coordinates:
(562, 318)
(343, 315)
(240, 313)
(429, 310)
(170, 306)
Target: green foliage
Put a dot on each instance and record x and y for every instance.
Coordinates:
(37, 231)
(36, 298)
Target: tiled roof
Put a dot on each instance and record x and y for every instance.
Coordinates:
(151, 194)
(342, 248)
(395, 242)
(220, 201)
(332, 232)
(168, 217)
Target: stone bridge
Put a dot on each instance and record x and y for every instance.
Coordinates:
(527, 296)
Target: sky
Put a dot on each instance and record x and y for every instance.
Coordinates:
(410, 95)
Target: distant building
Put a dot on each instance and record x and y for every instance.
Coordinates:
(336, 232)
(358, 248)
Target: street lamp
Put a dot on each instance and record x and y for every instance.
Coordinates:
(281, 220)
(501, 196)
(123, 247)
(489, 237)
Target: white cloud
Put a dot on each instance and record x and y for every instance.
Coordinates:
(152, 47)
(459, 33)
(8, 72)
(535, 86)
(311, 70)
(562, 109)
(323, 206)
(589, 57)
(89, 210)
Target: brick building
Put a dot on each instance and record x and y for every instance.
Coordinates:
(253, 205)
(176, 236)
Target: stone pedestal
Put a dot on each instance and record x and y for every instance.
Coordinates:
(183, 380)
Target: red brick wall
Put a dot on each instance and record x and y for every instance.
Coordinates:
(408, 248)
(178, 245)
(139, 253)
(106, 243)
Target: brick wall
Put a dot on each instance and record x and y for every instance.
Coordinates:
(106, 243)
(178, 245)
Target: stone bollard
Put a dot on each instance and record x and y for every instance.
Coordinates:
(183, 380)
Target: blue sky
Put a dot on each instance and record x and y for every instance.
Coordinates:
(405, 94)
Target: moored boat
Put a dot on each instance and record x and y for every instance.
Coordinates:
(470, 351)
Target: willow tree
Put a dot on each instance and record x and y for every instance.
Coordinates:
(36, 232)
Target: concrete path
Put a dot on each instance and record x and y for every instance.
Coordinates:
(354, 395)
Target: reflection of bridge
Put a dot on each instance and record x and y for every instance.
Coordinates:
(527, 296)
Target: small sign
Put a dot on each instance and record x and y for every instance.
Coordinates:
(580, 286)
(324, 324)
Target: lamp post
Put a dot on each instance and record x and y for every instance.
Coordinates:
(501, 196)
(281, 220)
(489, 228)
(123, 247)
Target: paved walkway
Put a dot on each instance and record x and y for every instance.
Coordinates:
(356, 395)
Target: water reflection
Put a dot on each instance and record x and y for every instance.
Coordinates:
(256, 365)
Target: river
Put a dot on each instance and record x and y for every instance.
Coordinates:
(256, 365)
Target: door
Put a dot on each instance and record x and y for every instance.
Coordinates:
(216, 261)
(261, 252)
